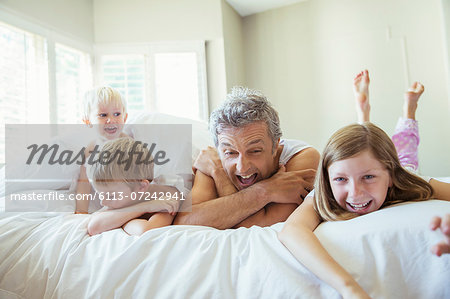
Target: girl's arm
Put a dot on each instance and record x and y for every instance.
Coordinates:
(298, 236)
(114, 218)
(137, 227)
(441, 190)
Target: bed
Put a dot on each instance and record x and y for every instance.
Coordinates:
(49, 255)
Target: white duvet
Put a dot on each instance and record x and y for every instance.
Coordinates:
(50, 255)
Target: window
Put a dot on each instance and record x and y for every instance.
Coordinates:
(41, 81)
(127, 74)
(73, 79)
(176, 84)
(23, 79)
(23, 76)
(160, 77)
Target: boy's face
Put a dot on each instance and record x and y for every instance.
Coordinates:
(117, 195)
(109, 118)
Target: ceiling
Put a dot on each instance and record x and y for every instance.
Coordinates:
(249, 7)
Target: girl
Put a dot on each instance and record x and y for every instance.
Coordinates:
(359, 173)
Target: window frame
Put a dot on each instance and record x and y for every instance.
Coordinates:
(149, 50)
(52, 37)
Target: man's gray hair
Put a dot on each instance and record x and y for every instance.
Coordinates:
(244, 106)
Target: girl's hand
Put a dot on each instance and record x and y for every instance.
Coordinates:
(354, 292)
(443, 224)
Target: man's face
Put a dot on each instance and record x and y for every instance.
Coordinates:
(246, 154)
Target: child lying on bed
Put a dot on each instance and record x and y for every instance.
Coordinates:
(130, 197)
(359, 173)
(105, 108)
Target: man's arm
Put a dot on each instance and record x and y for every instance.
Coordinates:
(248, 207)
(228, 211)
(278, 212)
(223, 212)
(272, 213)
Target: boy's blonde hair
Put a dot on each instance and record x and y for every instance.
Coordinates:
(350, 141)
(139, 168)
(102, 95)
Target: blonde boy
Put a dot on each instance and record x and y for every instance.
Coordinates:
(122, 177)
(105, 110)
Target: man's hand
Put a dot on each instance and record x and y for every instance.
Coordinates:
(289, 187)
(444, 225)
(207, 161)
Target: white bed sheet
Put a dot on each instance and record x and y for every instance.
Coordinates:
(49, 255)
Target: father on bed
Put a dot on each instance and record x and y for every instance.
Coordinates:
(251, 177)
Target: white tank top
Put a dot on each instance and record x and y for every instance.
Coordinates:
(290, 148)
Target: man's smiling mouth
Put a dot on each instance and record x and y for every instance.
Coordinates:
(247, 180)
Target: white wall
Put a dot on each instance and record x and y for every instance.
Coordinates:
(73, 18)
(304, 57)
(445, 7)
(234, 46)
(134, 21)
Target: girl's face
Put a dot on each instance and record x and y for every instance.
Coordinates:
(360, 183)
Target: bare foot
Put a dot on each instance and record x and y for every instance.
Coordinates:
(361, 91)
(412, 96)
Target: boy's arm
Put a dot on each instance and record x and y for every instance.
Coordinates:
(83, 187)
(208, 162)
(299, 238)
(115, 218)
(137, 227)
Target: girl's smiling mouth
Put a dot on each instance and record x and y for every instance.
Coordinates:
(360, 207)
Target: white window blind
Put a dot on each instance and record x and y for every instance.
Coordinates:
(41, 80)
(161, 77)
(23, 79)
(73, 78)
(126, 73)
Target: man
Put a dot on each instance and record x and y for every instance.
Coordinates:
(251, 178)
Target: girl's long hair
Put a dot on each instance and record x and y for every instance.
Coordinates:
(350, 141)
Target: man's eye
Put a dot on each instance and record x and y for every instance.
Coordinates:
(230, 153)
